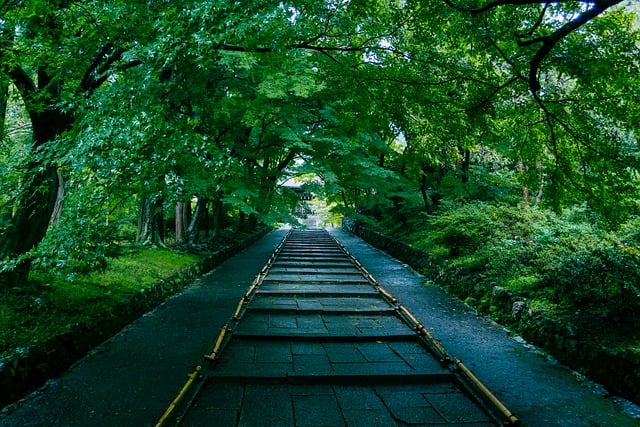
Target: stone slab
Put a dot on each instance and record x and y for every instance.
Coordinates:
(373, 303)
(288, 404)
(284, 358)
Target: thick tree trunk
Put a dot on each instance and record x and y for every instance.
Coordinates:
(150, 223)
(30, 222)
(37, 199)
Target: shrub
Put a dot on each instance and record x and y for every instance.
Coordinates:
(74, 248)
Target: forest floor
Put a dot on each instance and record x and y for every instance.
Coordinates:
(50, 303)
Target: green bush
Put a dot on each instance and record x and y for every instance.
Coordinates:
(75, 248)
(602, 277)
(566, 260)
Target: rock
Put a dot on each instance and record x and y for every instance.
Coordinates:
(517, 309)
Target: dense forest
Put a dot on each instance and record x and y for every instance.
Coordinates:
(503, 134)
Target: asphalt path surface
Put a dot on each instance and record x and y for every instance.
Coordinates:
(130, 379)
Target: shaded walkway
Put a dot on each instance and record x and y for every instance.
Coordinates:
(318, 343)
(130, 379)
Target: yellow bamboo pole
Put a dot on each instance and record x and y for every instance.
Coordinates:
(183, 391)
(436, 344)
(216, 348)
(387, 295)
(510, 418)
(417, 325)
(236, 314)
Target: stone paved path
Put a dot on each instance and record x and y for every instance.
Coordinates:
(131, 379)
(318, 345)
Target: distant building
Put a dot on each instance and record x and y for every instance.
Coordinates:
(302, 195)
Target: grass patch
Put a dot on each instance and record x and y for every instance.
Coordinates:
(49, 304)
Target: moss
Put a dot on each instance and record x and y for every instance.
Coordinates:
(49, 304)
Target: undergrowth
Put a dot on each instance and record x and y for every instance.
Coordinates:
(562, 263)
(50, 303)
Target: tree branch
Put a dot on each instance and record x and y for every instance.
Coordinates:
(87, 79)
(483, 103)
(101, 67)
(25, 84)
(549, 41)
(497, 3)
(536, 24)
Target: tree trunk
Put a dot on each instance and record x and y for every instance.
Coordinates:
(193, 231)
(6, 213)
(218, 217)
(183, 217)
(541, 187)
(345, 202)
(423, 191)
(150, 223)
(464, 164)
(241, 219)
(204, 218)
(4, 98)
(253, 222)
(59, 204)
(37, 199)
(30, 222)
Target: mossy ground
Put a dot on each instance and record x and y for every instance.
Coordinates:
(49, 303)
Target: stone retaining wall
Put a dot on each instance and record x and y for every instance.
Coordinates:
(29, 368)
(618, 371)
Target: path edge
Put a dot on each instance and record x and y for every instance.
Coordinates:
(548, 334)
(29, 368)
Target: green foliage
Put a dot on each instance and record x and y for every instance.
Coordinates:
(567, 260)
(468, 227)
(588, 267)
(391, 105)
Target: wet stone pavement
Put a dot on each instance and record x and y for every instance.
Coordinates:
(332, 352)
(317, 345)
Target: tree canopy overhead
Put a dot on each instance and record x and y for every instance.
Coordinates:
(222, 102)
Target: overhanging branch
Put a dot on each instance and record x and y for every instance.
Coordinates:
(547, 43)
